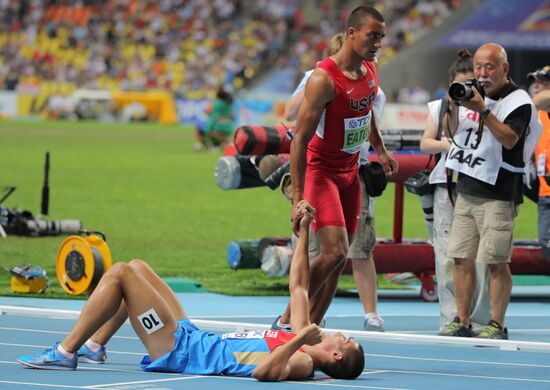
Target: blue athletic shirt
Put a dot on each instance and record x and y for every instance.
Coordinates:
(199, 352)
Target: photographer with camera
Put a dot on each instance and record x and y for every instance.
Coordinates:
(436, 140)
(491, 140)
(541, 100)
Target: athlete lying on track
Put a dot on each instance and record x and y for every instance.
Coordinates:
(174, 344)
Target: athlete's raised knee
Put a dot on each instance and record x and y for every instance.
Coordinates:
(138, 264)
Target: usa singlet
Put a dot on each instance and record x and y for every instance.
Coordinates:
(332, 182)
(199, 352)
(345, 122)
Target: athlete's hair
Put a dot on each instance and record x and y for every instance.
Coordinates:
(462, 64)
(335, 43)
(358, 15)
(349, 367)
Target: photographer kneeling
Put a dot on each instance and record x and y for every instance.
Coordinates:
(490, 142)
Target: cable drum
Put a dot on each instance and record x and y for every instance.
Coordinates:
(81, 261)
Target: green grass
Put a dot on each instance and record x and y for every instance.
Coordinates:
(155, 199)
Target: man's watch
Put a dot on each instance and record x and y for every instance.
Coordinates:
(483, 115)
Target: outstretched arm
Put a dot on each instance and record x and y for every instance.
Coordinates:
(284, 363)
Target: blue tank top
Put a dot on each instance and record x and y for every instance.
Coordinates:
(198, 352)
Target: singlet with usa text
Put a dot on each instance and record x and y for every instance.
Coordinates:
(345, 121)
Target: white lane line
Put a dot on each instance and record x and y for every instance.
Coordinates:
(319, 382)
(346, 386)
(59, 332)
(181, 378)
(90, 368)
(515, 330)
(501, 378)
(41, 385)
(427, 332)
(49, 346)
(459, 361)
(371, 372)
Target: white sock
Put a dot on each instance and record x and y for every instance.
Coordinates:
(282, 325)
(69, 355)
(93, 345)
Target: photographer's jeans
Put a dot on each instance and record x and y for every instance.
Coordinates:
(544, 225)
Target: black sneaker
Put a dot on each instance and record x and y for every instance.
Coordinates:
(275, 326)
(494, 330)
(456, 329)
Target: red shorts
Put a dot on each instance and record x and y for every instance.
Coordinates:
(336, 197)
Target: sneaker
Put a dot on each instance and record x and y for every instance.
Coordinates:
(275, 326)
(493, 330)
(456, 329)
(50, 359)
(373, 322)
(86, 355)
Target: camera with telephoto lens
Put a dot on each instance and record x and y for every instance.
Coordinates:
(274, 180)
(41, 227)
(463, 91)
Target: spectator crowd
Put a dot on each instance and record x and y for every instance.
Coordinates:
(188, 47)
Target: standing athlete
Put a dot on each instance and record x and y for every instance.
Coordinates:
(335, 118)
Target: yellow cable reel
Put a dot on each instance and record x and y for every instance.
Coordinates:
(81, 261)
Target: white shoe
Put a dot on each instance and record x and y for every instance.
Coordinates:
(373, 322)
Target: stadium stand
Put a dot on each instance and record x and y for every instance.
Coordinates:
(186, 47)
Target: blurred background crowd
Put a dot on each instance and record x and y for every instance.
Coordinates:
(186, 47)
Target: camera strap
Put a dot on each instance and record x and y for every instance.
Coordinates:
(442, 111)
(449, 172)
(479, 133)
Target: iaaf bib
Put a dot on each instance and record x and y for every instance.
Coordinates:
(484, 162)
(345, 121)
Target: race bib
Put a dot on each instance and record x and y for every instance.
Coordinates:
(356, 131)
(245, 334)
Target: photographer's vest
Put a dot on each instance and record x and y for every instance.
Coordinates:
(485, 162)
(345, 122)
(438, 174)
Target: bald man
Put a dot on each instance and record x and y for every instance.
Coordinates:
(492, 138)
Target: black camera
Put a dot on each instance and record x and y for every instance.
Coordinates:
(22, 223)
(41, 227)
(274, 180)
(460, 91)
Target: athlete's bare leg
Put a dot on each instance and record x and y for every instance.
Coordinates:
(364, 274)
(104, 334)
(325, 268)
(122, 283)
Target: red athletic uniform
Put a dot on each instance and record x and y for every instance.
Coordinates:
(332, 180)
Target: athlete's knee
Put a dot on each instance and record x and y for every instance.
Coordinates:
(119, 271)
(335, 254)
(138, 265)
